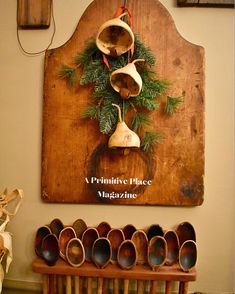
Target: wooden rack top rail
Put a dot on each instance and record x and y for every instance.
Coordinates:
(138, 272)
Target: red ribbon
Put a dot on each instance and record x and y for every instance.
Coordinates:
(106, 61)
(123, 9)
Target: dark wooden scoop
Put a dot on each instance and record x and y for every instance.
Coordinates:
(50, 249)
(41, 233)
(101, 252)
(154, 230)
(188, 255)
(185, 231)
(103, 228)
(127, 255)
(172, 247)
(157, 252)
(56, 226)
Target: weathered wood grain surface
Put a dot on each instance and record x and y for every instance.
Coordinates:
(73, 150)
(34, 14)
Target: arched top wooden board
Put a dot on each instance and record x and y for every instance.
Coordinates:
(77, 166)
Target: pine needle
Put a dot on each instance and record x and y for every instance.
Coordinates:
(141, 51)
(172, 104)
(108, 119)
(140, 120)
(69, 74)
(88, 54)
(149, 140)
(142, 102)
(92, 112)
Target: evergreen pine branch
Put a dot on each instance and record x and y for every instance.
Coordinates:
(172, 104)
(88, 54)
(139, 120)
(149, 140)
(92, 112)
(116, 63)
(142, 102)
(141, 51)
(152, 89)
(126, 106)
(108, 119)
(91, 72)
(104, 92)
(154, 85)
(68, 73)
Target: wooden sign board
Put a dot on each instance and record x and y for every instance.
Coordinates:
(34, 14)
(206, 3)
(77, 165)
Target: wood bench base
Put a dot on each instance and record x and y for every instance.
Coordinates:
(63, 278)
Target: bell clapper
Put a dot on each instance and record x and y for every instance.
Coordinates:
(124, 93)
(115, 51)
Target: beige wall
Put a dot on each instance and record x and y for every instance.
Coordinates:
(20, 146)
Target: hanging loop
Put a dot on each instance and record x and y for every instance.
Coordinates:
(123, 9)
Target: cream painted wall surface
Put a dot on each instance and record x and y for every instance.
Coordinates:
(20, 146)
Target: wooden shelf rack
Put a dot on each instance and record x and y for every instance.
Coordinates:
(63, 278)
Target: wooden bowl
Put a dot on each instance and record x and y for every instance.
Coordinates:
(127, 255)
(79, 227)
(56, 226)
(185, 231)
(154, 230)
(188, 255)
(141, 243)
(101, 252)
(50, 249)
(65, 236)
(116, 237)
(103, 228)
(172, 247)
(41, 233)
(157, 252)
(75, 252)
(128, 231)
(88, 239)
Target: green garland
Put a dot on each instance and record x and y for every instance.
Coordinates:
(101, 109)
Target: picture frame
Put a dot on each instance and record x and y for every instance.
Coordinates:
(206, 3)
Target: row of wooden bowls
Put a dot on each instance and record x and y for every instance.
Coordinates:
(126, 247)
